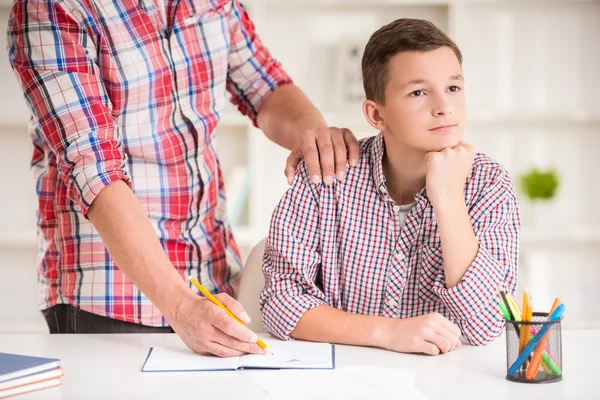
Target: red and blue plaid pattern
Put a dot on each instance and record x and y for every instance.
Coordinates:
(117, 95)
(343, 246)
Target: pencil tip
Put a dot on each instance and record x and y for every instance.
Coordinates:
(190, 278)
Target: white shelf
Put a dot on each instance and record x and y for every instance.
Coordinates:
(559, 235)
(354, 3)
(20, 239)
(370, 4)
(521, 117)
(13, 127)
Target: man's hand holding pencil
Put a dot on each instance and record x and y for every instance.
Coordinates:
(206, 328)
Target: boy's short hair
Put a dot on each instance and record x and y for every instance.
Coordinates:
(404, 34)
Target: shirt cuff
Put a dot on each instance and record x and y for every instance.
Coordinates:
(280, 316)
(477, 289)
(86, 184)
(259, 95)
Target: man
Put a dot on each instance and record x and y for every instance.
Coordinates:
(124, 102)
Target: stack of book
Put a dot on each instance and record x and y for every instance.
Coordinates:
(22, 374)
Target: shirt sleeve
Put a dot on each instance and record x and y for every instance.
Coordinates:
(253, 74)
(473, 303)
(292, 259)
(49, 53)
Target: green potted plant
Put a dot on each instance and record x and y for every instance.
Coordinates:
(540, 188)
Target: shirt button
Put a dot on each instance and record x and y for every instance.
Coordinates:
(392, 302)
(396, 208)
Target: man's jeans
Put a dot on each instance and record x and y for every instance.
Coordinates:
(64, 318)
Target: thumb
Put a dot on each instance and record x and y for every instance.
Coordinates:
(290, 166)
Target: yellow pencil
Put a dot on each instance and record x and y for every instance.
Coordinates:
(524, 332)
(216, 302)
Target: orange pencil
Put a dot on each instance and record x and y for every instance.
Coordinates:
(534, 365)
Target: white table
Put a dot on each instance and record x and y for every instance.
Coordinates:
(108, 367)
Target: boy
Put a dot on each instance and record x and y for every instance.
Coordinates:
(409, 251)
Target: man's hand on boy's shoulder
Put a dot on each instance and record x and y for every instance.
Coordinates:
(429, 334)
(325, 151)
(447, 171)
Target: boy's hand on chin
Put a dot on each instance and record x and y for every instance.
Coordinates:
(447, 171)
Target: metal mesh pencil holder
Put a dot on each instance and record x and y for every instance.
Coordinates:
(534, 363)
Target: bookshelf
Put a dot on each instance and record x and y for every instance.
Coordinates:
(531, 81)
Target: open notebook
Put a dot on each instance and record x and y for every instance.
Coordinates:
(286, 355)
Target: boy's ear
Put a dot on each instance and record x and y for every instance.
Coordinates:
(374, 118)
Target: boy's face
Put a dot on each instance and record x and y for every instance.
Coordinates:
(425, 105)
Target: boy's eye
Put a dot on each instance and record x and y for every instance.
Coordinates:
(454, 88)
(417, 93)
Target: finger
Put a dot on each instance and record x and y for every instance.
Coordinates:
(465, 145)
(231, 327)
(311, 157)
(339, 152)
(429, 348)
(225, 340)
(222, 351)
(443, 343)
(234, 306)
(451, 326)
(326, 156)
(290, 166)
(450, 335)
(352, 146)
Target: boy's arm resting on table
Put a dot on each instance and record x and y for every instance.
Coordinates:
(292, 258)
(72, 109)
(470, 291)
(294, 306)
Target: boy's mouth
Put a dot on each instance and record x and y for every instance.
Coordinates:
(443, 128)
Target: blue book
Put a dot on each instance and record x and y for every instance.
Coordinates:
(13, 366)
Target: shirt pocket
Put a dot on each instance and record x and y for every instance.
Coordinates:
(208, 36)
(431, 272)
(205, 15)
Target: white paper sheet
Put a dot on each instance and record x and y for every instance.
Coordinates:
(293, 354)
(347, 383)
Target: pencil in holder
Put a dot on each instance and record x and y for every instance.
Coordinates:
(540, 360)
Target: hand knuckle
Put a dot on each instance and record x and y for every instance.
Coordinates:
(307, 134)
(312, 152)
(326, 147)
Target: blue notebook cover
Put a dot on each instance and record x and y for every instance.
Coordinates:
(14, 366)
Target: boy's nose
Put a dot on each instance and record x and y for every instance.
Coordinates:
(442, 111)
(442, 107)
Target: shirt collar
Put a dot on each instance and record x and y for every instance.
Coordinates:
(376, 163)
